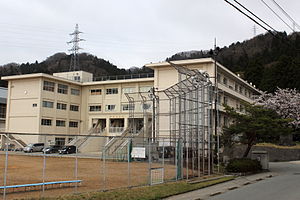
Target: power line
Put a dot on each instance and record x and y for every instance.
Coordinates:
(277, 15)
(252, 18)
(286, 14)
(288, 42)
(255, 15)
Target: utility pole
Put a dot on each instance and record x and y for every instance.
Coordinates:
(216, 104)
(74, 65)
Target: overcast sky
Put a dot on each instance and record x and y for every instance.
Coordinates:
(128, 32)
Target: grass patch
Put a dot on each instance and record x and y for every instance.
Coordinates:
(143, 193)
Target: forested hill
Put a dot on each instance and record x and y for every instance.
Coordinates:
(266, 61)
(60, 62)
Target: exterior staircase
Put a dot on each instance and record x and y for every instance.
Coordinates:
(14, 142)
(117, 147)
(89, 143)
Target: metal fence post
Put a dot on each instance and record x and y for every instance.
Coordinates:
(149, 160)
(128, 161)
(103, 163)
(44, 168)
(76, 166)
(5, 169)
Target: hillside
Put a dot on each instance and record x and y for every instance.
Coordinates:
(60, 62)
(265, 61)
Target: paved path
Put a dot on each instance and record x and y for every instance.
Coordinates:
(283, 182)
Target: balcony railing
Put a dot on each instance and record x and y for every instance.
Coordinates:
(116, 129)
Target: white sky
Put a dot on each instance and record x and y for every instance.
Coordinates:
(128, 32)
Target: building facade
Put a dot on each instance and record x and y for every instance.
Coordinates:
(72, 103)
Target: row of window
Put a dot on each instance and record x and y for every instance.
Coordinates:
(61, 88)
(225, 101)
(60, 106)
(97, 108)
(98, 91)
(237, 88)
(125, 107)
(59, 123)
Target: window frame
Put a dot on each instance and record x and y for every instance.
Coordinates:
(110, 107)
(97, 91)
(62, 89)
(95, 110)
(110, 91)
(74, 106)
(63, 123)
(45, 104)
(43, 122)
(61, 106)
(50, 86)
(75, 92)
(73, 123)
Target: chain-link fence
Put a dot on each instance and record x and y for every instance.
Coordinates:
(96, 162)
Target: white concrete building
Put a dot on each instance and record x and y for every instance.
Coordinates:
(71, 103)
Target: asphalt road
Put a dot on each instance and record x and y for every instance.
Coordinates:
(284, 186)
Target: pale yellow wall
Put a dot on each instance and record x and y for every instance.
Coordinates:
(57, 114)
(108, 99)
(21, 115)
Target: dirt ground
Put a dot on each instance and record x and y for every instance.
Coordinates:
(25, 169)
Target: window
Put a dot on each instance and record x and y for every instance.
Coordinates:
(226, 122)
(219, 99)
(48, 86)
(110, 107)
(61, 123)
(236, 87)
(241, 89)
(145, 89)
(34, 105)
(2, 110)
(46, 122)
(96, 92)
(225, 81)
(246, 93)
(75, 92)
(63, 89)
(73, 124)
(74, 108)
(241, 108)
(225, 100)
(112, 91)
(61, 106)
(77, 78)
(128, 107)
(95, 108)
(48, 104)
(128, 90)
(219, 78)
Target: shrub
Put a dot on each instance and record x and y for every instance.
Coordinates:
(242, 165)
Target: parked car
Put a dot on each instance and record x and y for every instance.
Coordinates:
(52, 149)
(34, 147)
(67, 150)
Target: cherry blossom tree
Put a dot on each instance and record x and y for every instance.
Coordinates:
(286, 102)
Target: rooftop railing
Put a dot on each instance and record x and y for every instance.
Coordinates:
(123, 77)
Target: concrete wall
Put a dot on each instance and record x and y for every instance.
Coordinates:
(275, 154)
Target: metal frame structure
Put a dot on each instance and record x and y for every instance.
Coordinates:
(188, 108)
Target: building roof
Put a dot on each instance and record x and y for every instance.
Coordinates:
(42, 75)
(201, 61)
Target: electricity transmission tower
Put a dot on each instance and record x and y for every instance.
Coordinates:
(74, 65)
